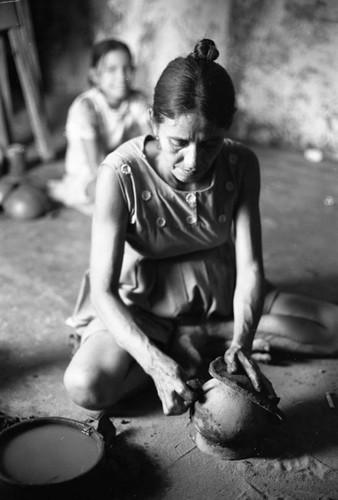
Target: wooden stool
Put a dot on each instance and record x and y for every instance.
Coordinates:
(15, 23)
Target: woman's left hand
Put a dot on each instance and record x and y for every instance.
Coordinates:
(238, 359)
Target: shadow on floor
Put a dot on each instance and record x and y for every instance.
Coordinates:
(143, 403)
(15, 369)
(310, 428)
(130, 472)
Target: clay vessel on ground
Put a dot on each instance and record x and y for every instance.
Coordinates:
(26, 202)
(230, 416)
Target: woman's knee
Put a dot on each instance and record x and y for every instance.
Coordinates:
(88, 389)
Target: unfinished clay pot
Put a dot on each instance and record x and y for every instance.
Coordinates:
(231, 416)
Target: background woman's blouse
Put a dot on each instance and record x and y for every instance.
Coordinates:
(91, 117)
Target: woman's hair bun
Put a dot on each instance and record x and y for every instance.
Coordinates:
(205, 49)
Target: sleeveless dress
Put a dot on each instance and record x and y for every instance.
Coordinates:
(179, 258)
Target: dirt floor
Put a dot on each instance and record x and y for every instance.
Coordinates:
(154, 456)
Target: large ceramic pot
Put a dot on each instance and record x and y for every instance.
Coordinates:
(231, 416)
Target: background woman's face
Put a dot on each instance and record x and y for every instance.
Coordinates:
(189, 146)
(113, 75)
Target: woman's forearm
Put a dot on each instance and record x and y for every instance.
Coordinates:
(125, 330)
(248, 305)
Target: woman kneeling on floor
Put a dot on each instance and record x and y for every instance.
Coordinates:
(176, 255)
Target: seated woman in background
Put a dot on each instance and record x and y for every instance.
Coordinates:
(176, 255)
(99, 120)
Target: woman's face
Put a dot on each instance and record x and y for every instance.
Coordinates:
(189, 145)
(113, 76)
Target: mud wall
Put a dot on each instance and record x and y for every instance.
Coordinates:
(284, 59)
(280, 53)
(159, 30)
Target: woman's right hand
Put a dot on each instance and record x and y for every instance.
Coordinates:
(171, 384)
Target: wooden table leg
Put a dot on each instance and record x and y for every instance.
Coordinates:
(5, 99)
(31, 93)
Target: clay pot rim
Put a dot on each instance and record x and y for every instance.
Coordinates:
(218, 370)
